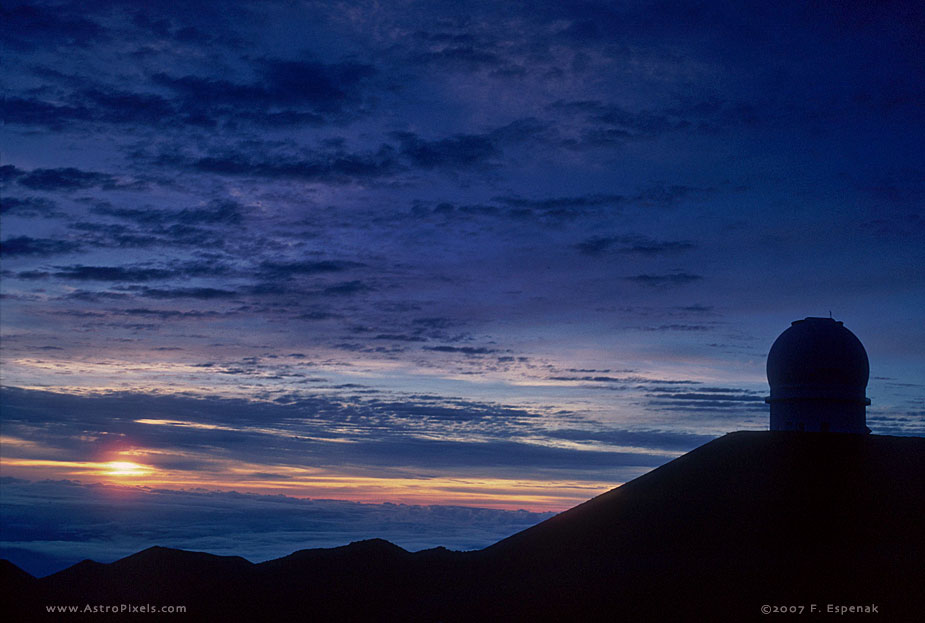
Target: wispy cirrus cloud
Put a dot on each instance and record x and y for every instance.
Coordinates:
(678, 278)
(26, 246)
(66, 179)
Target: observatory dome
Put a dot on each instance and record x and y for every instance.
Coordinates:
(818, 372)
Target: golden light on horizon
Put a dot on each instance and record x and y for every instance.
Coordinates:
(123, 470)
(126, 468)
(157, 467)
(317, 483)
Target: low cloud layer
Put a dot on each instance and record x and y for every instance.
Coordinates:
(105, 523)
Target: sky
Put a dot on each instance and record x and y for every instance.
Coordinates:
(288, 274)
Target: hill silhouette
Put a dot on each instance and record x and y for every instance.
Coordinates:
(751, 518)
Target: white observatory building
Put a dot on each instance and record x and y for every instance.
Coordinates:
(818, 372)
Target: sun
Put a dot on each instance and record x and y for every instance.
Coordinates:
(125, 468)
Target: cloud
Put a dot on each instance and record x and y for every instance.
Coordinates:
(522, 131)
(283, 270)
(557, 203)
(65, 179)
(284, 93)
(460, 151)
(550, 211)
(346, 288)
(399, 337)
(330, 166)
(115, 106)
(257, 527)
(135, 273)
(462, 350)
(79, 272)
(638, 381)
(99, 104)
(28, 27)
(377, 433)
(32, 111)
(608, 125)
(658, 247)
(156, 230)
(668, 195)
(563, 208)
(696, 309)
(665, 280)
(639, 245)
(204, 294)
(28, 206)
(679, 327)
(25, 246)
(112, 235)
(166, 314)
(741, 396)
(332, 163)
(466, 57)
(597, 245)
(325, 87)
(216, 212)
(94, 296)
(8, 173)
(317, 314)
(437, 323)
(676, 441)
(707, 399)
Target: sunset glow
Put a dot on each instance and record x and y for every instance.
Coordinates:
(87, 471)
(512, 494)
(125, 468)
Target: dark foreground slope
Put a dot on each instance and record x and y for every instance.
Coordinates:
(784, 519)
(746, 520)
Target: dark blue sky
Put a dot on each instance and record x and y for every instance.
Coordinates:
(490, 254)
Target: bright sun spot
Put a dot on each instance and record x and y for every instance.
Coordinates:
(125, 468)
